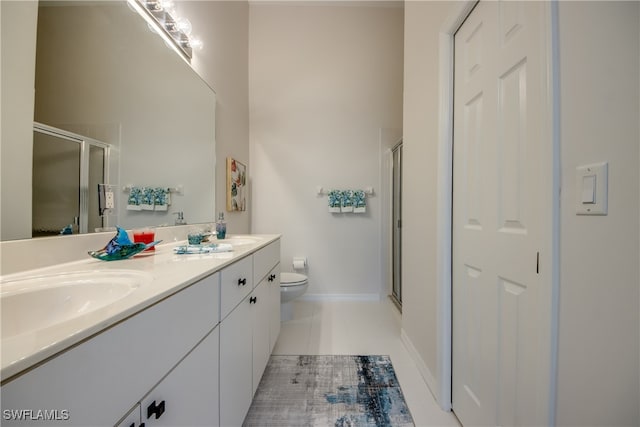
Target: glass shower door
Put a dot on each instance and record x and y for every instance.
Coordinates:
(397, 224)
(67, 169)
(56, 179)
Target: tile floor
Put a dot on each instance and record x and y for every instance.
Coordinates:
(320, 327)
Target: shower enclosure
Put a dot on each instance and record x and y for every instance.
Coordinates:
(67, 169)
(396, 219)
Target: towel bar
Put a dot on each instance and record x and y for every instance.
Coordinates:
(321, 191)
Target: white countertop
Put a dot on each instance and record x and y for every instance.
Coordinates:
(170, 273)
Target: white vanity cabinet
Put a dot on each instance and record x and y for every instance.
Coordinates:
(188, 395)
(260, 332)
(236, 282)
(236, 365)
(246, 336)
(194, 358)
(274, 302)
(98, 381)
(266, 325)
(133, 418)
(266, 267)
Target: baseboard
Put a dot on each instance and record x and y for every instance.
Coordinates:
(427, 376)
(340, 297)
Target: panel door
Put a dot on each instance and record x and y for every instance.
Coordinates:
(501, 217)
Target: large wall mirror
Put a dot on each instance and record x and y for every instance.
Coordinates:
(103, 76)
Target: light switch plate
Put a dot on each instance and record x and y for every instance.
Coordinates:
(592, 179)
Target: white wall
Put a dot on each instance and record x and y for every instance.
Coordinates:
(18, 27)
(598, 376)
(323, 81)
(223, 63)
(599, 96)
(419, 245)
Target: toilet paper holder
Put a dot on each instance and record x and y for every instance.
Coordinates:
(299, 263)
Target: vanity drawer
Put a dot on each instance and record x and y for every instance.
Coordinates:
(264, 260)
(236, 282)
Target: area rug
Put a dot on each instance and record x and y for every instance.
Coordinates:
(329, 391)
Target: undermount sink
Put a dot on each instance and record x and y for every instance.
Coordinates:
(34, 303)
(238, 240)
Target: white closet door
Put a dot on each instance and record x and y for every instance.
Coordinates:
(501, 216)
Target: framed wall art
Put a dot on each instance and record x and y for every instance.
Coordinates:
(236, 185)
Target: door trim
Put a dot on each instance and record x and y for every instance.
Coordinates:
(444, 199)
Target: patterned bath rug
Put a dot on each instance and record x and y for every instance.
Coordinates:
(340, 391)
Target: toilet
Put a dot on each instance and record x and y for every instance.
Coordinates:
(292, 285)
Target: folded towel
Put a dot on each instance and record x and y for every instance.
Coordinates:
(161, 199)
(135, 199)
(147, 199)
(359, 201)
(335, 200)
(347, 201)
(203, 249)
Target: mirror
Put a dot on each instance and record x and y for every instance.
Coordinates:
(102, 74)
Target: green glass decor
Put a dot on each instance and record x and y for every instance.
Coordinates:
(121, 247)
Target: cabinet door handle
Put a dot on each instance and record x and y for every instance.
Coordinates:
(156, 410)
(271, 278)
(253, 300)
(242, 281)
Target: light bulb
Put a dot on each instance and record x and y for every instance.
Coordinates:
(196, 44)
(184, 25)
(168, 6)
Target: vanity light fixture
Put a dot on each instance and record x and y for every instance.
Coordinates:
(175, 31)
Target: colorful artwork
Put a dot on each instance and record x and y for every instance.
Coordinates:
(236, 185)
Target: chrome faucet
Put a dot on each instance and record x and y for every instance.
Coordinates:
(180, 219)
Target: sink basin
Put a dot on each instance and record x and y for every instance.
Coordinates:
(238, 240)
(34, 303)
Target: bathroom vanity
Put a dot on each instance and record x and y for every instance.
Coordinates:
(186, 347)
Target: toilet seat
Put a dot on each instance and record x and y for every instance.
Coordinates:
(292, 279)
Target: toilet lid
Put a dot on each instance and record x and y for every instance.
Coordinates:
(292, 279)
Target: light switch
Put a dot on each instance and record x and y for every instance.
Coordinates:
(591, 189)
(588, 189)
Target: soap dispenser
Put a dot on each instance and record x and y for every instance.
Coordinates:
(221, 226)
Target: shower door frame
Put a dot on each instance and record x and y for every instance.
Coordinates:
(396, 221)
(85, 144)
